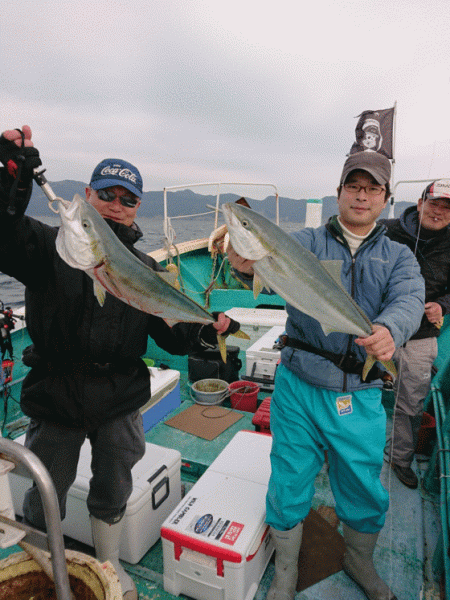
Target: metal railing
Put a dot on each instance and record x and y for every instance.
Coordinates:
(27, 463)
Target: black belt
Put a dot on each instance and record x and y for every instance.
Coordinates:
(92, 368)
(77, 364)
(348, 363)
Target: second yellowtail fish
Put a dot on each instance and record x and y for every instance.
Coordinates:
(297, 275)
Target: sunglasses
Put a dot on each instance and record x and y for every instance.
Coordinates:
(109, 196)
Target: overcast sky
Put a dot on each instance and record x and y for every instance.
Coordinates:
(242, 90)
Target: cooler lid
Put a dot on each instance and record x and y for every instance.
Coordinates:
(155, 457)
(263, 346)
(246, 456)
(262, 317)
(162, 381)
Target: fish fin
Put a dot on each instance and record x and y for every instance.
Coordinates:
(334, 268)
(100, 293)
(390, 367)
(370, 361)
(222, 347)
(241, 334)
(327, 329)
(170, 322)
(170, 276)
(257, 286)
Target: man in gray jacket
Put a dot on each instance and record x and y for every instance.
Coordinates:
(425, 229)
(320, 402)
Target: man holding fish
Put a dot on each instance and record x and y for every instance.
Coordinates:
(87, 378)
(352, 296)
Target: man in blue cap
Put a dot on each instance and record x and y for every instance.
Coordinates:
(87, 379)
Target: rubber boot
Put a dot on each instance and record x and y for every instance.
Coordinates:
(358, 564)
(106, 543)
(287, 548)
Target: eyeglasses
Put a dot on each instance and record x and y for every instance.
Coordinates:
(370, 190)
(110, 196)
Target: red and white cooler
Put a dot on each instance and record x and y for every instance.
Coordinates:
(216, 543)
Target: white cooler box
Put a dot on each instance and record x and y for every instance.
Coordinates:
(165, 396)
(257, 320)
(216, 543)
(156, 491)
(261, 358)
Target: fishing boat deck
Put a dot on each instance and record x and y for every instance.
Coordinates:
(404, 553)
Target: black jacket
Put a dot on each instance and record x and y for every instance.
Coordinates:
(433, 255)
(72, 334)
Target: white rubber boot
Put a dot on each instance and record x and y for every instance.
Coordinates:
(106, 543)
(287, 548)
(358, 564)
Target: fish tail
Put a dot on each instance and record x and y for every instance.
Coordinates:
(241, 334)
(222, 347)
(390, 366)
(370, 361)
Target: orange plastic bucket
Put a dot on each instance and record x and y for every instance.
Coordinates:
(244, 395)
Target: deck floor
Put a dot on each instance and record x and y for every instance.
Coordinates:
(401, 557)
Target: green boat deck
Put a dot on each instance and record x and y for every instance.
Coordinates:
(405, 551)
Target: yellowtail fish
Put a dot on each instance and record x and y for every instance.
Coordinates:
(85, 241)
(283, 265)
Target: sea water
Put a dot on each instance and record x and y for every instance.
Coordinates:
(12, 291)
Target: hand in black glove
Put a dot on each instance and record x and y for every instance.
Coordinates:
(208, 333)
(16, 180)
(19, 160)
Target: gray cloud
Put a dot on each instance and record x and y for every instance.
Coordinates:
(200, 91)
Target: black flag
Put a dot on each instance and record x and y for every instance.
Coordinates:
(374, 132)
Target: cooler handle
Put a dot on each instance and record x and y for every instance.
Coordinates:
(164, 481)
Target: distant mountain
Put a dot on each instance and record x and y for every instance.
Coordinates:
(188, 202)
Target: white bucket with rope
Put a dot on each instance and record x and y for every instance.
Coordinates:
(209, 392)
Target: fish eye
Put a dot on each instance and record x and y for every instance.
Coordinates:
(85, 224)
(245, 223)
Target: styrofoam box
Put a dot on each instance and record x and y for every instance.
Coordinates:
(261, 358)
(216, 543)
(257, 319)
(156, 491)
(165, 396)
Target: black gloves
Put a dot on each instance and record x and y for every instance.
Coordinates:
(208, 334)
(19, 161)
(17, 176)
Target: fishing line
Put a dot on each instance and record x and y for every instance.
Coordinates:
(397, 391)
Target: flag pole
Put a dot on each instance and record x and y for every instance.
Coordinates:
(392, 199)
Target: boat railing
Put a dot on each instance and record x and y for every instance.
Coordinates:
(171, 254)
(219, 188)
(437, 477)
(13, 456)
